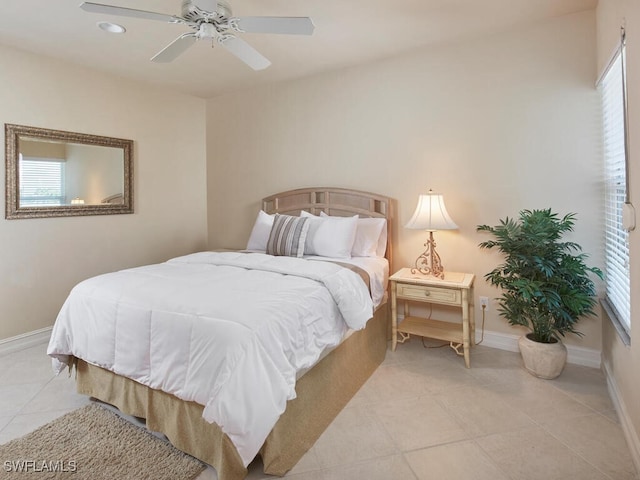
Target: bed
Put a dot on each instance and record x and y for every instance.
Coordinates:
(320, 392)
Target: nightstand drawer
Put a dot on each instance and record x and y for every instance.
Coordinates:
(423, 293)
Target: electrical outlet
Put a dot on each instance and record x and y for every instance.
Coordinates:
(484, 302)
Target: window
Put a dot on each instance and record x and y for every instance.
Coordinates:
(612, 88)
(41, 182)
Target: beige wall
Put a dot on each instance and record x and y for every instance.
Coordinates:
(497, 125)
(40, 149)
(622, 362)
(41, 259)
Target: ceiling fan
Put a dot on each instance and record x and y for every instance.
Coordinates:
(213, 19)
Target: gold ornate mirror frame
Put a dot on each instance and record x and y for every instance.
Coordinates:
(13, 209)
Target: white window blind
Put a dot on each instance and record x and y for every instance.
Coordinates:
(41, 182)
(615, 160)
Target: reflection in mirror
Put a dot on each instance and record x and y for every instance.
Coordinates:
(55, 173)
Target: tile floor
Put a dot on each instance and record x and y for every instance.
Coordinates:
(422, 415)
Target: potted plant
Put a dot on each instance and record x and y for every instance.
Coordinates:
(545, 284)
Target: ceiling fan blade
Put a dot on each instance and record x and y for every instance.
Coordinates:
(126, 12)
(175, 48)
(286, 25)
(244, 52)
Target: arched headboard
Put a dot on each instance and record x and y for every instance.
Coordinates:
(341, 202)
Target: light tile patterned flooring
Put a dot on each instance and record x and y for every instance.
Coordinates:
(422, 415)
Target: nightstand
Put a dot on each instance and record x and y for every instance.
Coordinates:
(456, 290)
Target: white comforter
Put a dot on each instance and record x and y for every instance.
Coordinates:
(226, 330)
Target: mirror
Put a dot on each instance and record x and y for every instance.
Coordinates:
(52, 173)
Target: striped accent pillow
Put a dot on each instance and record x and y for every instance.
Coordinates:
(287, 236)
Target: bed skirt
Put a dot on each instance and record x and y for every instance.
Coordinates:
(321, 394)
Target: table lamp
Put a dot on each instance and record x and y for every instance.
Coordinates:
(430, 215)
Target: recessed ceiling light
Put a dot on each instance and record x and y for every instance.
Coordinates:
(111, 27)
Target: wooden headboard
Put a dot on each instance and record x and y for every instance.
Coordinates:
(339, 202)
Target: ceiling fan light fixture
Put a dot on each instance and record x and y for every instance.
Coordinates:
(207, 30)
(111, 27)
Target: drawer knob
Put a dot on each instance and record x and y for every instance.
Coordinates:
(427, 293)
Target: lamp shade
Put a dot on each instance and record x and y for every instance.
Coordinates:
(431, 214)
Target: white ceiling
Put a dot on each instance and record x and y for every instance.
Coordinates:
(347, 32)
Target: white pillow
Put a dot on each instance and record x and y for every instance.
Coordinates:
(260, 232)
(330, 236)
(371, 237)
(382, 241)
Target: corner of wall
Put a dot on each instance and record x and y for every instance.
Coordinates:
(630, 434)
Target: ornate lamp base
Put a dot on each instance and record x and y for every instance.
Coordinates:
(428, 263)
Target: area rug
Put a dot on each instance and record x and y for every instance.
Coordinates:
(94, 443)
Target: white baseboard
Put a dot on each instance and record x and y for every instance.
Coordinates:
(501, 341)
(630, 434)
(24, 341)
(586, 357)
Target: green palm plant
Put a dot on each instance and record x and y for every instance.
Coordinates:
(545, 282)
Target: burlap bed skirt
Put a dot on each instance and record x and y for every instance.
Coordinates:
(321, 394)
